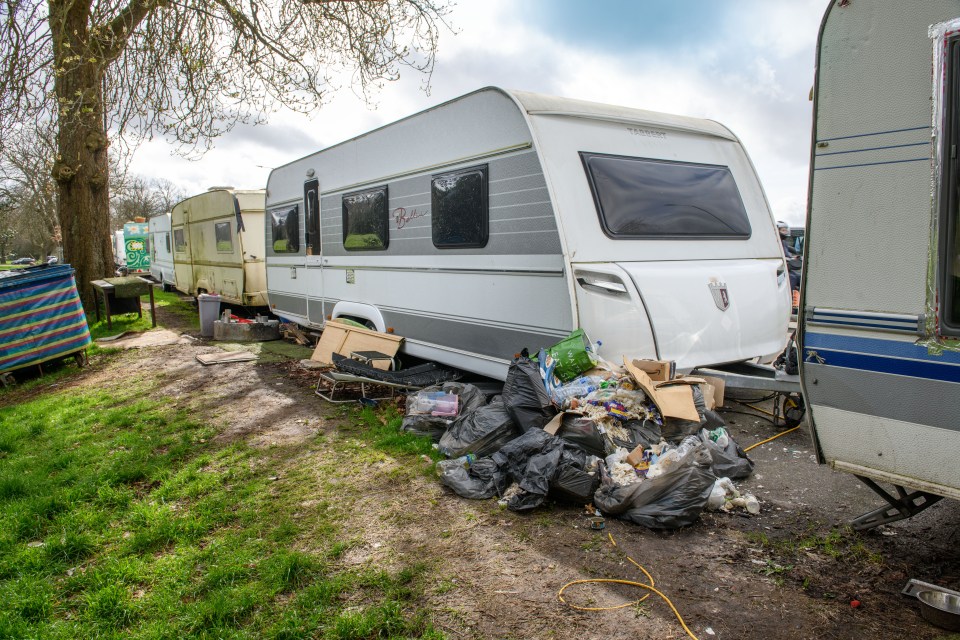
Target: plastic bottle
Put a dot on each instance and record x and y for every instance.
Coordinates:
(563, 395)
(752, 504)
(719, 435)
(465, 461)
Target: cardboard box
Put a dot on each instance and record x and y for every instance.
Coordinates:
(658, 370)
(344, 339)
(714, 388)
(635, 457)
(674, 398)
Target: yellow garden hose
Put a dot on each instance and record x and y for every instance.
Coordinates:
(754, 446)
(648, 587)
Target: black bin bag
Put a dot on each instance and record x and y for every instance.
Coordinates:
(730, 461)
(470, 398)
(481, 432)
(670, 501)
(481, 480)
(573, 484)
(582, 433)
(526, 397)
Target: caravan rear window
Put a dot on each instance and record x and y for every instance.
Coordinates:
(644, 198)
(221, 232)
(365, 220)
(179, 240)
(285, 227)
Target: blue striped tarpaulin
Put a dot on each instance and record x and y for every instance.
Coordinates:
(41, 317)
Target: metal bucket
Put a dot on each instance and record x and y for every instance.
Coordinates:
(942, 609)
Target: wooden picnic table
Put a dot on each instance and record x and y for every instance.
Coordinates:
(123, 288)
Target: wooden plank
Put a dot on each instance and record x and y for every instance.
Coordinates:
(226, 357)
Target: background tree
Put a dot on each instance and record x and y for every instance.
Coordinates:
(189, 70)
(135, 195)
(29, 191)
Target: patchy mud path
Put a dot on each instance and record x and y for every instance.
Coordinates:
(790, 572)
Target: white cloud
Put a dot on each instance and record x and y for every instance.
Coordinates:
(753, 75)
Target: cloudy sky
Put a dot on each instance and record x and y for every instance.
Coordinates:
(746, 63)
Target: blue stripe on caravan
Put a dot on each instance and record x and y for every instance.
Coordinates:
(873, 164)
(892, 146)
(877, 133)
(896, 366)
(880, 324)
(879, 347)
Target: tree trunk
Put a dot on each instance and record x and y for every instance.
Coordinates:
(80, 169)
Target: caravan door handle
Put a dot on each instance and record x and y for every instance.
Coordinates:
(602, 285)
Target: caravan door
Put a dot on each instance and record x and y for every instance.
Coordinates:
(314, 251)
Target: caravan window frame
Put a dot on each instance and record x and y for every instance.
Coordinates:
(613, 216)
(948, 255)
(179, 240)
(312, 238)
(280, 221)
(351, 204)
(479, 209)
(218, 237)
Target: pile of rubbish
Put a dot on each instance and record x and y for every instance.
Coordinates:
(638, 441)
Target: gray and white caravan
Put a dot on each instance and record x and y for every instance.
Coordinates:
(503, 219)
(880, 328)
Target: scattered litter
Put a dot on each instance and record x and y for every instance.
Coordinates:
(638, 442)
(225, 357)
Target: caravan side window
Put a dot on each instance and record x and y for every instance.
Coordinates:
(949, 249)
(365, 220)
(644, 198)
(285, 224)
(179, 240)
(459, 208)
(167, 237)
(221, 232)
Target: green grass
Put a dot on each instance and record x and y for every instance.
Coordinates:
(120, 518)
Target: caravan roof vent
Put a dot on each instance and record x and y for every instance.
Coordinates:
(219, 188)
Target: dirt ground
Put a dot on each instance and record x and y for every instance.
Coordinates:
(729, 575)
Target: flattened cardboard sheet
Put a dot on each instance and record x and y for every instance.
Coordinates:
(674, 398)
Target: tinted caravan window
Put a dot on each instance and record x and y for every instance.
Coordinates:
(365, 220)
(643, 198)
(459, 208)
(949, 249)
(285, 225)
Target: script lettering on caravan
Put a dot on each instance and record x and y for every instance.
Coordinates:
(401, 216)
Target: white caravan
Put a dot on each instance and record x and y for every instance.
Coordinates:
(218, 245)
(881, 287)
(504, 219)
(119, 249)
(161, 251)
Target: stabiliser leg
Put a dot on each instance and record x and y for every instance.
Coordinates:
(904, 505)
